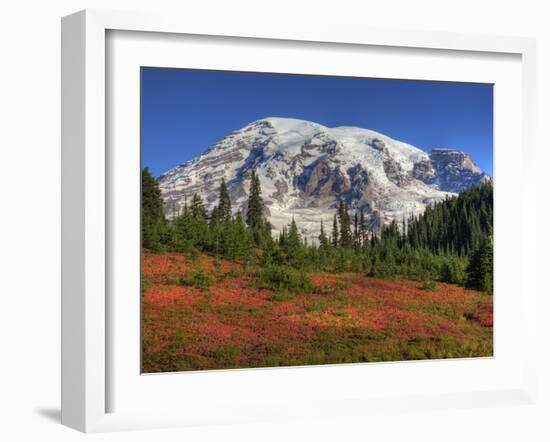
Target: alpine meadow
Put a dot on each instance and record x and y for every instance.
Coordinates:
(306, 238)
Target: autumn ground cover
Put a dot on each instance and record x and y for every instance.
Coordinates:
(205, 313)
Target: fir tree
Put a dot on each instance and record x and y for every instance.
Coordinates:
(335, 233)
(480, 268)
(362, 228)
(323, 240)
(403, 232)
(224, 205)
(254, 217)
(293, 242)
(345, 228)
(197, 207)
(295, 252)
(153, 223)
(283, 237)
(214, 216)
(356, 240)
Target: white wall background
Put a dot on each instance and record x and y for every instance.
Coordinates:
(30, 215)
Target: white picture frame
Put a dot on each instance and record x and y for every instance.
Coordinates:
(86, 356)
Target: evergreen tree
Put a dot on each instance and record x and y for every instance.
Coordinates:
(345, 227)
(293, 242)
(480, 267)
(235, 239)
(153, 223)
(363, 234)
(335, 234)
(224, 205)
(197, 207)
(214, 216)
(254, 215)
(283, 236)
(292, 252)
(356, 239)
(403, 232)
(323, 240)
(265, 235)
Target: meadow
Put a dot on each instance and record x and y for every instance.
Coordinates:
(201, 312)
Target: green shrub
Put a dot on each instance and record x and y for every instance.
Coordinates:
(453, 270)
(285, 279)
(480, 268)
(428, 285)
(382, 270)
(198, 278)
(230, 274)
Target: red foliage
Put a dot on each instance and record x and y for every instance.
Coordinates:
(233, 313)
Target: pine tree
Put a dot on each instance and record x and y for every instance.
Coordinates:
(294, 250)
(362, 228)
(197, 207)
(224, 205)
(214, 216)
(153, 223)
(293, 241)
(356, 240)
(243, 239)
(345, 227)
(254, 218)
(403, 232)
(323, 240)
(480, 268)
(283, 236)
(335, 235)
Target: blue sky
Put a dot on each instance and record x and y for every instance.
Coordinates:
(185, 111)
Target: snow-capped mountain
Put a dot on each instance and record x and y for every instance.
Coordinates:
(305, 169)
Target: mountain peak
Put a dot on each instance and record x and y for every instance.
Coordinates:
(454, 157)
(306, 169)
(284, 124)
(455, 170)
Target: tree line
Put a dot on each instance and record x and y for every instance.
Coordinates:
(450, 242)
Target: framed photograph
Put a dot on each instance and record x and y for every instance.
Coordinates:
(263, 223)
